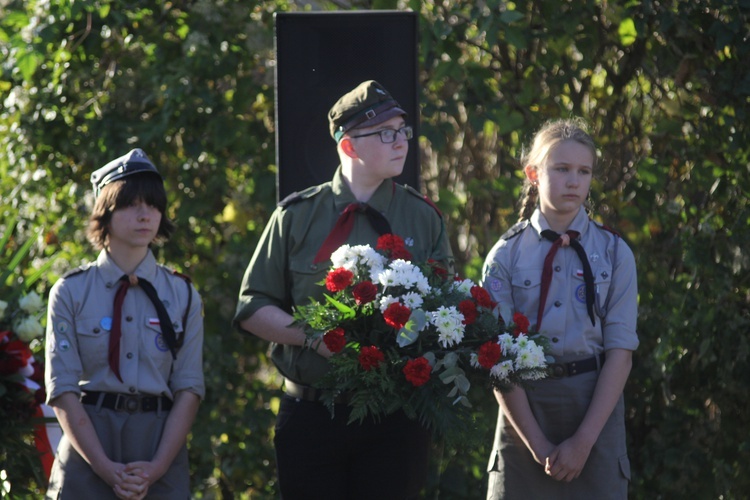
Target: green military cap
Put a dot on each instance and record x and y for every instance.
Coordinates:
(135, 162)
(367, 105)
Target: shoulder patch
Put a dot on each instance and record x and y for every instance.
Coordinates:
(422, 197)
(515, 230)
(298, 196)
(78, 270)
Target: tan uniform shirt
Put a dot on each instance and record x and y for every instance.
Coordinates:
(512, 275)
(282, 273)
(79, 322)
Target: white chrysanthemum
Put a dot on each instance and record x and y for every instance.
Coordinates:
(474, 360)
(412, 300)
(502, 370)
(28, 329)
(30, 303)
(353, 258)
(521, 343)
(531, 356)
(450, 325)
(506, 342)
(385, 301)
(422, 284)
(388, 278)
(464, 286)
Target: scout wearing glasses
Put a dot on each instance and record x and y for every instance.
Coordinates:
(576, 282)
(124, 350)
(317, 456)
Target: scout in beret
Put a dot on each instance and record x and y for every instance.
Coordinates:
(384, 459)
(124, 349)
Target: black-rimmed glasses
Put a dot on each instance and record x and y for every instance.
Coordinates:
(388, 135)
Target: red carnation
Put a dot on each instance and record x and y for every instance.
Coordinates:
(522, 324)
(16, 356)
(469, 310)
(339, 279)
(489, 354)
(389, 242)
(364, 292)
(335, 340)
(417, 371)
(370, 357)
(438, 269)
(396, 315)
(401, 253)
(482, 297)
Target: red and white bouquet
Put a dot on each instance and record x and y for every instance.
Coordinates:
(412, 337)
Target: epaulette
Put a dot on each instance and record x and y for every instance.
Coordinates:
(298, 196)
(183, 276)
(606, 228)
(515, 230)
(422, 197)
(78, 270)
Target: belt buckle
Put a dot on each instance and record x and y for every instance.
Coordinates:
(130, 404)
(557, 370)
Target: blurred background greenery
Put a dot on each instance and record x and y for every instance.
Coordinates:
(665, 85)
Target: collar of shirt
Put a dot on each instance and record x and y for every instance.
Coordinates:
(580, 222)
(111, 272)
(380, 199)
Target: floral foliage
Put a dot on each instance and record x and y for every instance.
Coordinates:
(410, 337)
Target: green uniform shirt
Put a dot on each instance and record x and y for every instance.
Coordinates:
(281, 271)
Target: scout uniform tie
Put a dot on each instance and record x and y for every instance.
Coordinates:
(563, 240)
(344, 226)
(165, 323)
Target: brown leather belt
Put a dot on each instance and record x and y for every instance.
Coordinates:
(307, 393)
(560, 370)
(131, 403)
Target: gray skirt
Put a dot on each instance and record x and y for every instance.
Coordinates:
(559, 406)
(125, 438)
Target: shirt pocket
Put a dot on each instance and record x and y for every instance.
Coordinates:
(93, 343)
(155, 342)
(305, 277)
(526, 285)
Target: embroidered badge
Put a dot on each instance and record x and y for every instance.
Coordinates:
(496, 285)
(106, 323)
(409, 242)
(160, 343)
(579, 273)
(594, 257)
(153, 321)
(581, 293)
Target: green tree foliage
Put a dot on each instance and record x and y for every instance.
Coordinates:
(665, 86)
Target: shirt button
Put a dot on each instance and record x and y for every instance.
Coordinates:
(130, 355)
(129, 318)
(96, 330)
(557, 269)
(558, 303)
(527, 282)
(555, 340)
(131, 390)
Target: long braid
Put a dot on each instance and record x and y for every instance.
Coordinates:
(529, 200)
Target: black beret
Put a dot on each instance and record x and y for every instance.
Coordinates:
(367, 105)
(135, 162)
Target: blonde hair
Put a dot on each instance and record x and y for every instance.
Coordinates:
(552, 133)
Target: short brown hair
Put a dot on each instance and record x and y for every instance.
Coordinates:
(121, 194)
